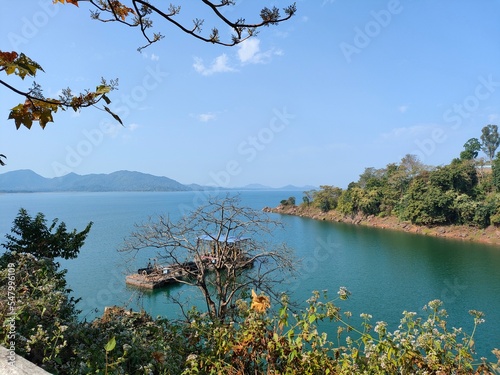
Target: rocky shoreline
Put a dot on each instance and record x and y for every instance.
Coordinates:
(490, 235)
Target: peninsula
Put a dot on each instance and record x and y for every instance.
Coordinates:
(489, 235)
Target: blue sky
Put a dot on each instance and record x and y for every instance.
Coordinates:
(342, 86)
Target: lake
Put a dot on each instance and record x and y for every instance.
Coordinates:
(386, 271)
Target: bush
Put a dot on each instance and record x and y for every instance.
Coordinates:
(288, 202)
(288, 342)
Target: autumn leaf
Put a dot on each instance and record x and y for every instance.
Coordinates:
(74, 2)
(260, 303)
(7, 57)
(120, 10)
(159, 357)
(20, 65)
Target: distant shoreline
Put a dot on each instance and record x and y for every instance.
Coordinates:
(489, 235)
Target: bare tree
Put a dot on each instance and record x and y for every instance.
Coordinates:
(220, 248)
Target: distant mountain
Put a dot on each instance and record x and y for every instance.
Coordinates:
(255, 187)
(23, 180)
(29, 181)
(298, 188)
(284, 188)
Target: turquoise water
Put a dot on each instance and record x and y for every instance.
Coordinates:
(386, 271)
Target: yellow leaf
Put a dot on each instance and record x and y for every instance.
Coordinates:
(103, 89)
(260, 303)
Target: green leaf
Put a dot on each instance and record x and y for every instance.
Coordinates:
(110, 345)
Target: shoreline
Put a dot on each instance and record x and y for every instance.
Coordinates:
(489, 235)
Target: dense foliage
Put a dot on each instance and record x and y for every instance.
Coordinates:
(464, 192)
(261, 339)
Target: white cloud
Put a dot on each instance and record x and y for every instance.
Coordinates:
(132, 127)
(152, 57)
(219, 65)
(249, 52)
(205, 117)
(407, 132)
(492, 118)
(403, 108)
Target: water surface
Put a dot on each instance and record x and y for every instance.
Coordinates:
(386, 271)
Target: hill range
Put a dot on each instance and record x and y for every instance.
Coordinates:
(26, 180)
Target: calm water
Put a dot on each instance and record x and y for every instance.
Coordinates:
(387, 272)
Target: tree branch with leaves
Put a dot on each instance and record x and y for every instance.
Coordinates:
(139, 12)
(37, 107)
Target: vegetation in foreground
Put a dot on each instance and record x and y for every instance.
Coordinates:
(257, 339)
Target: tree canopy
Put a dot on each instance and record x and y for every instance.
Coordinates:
(490, 140)
(31, 235)
(471, 149)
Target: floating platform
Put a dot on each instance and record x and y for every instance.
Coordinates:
(156, 277)
(149, 281)
(212, 253)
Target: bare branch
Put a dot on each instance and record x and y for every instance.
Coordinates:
(221, 249)
(138, 15)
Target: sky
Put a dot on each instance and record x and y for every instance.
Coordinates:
(342, 86)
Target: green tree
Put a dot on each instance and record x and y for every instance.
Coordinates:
(308, 197)
(44, 309)
(288, 202)
(426, 203)
(327, 197)
(459, 175)
(471, 149)
(33, 236)
(495, 170)
(490, 140)
(371, 178)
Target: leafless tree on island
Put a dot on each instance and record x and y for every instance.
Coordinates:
(221, 248)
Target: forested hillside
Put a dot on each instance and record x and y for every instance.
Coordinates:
(466, 191)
